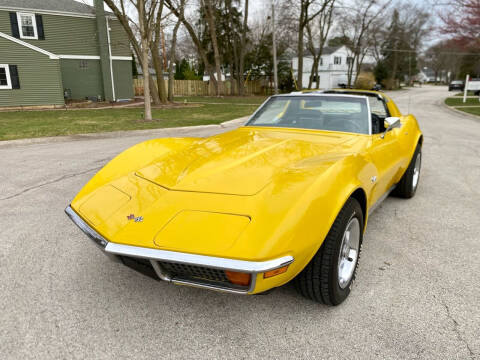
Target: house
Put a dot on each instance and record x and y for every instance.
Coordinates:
(332, 68)
(52, 50)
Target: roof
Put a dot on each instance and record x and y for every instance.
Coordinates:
(327, 50)
(61, 6)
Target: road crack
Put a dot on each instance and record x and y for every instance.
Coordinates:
(68, 176)
(457, 330)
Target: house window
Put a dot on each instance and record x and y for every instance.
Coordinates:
(27, 26)
(337, 60)
(349, 60)
(83, 64)
(321, 61)
(5, 82)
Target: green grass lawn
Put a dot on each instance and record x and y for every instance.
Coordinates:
(473, 111)
(459, 101)
(29, 124)
(223, 99)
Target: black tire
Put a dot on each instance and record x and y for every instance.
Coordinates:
(319, 280)
(407, 188)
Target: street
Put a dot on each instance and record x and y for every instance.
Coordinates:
(416, 295)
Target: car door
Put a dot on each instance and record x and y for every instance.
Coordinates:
(384, 152)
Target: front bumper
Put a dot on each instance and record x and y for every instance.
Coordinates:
(158, 257)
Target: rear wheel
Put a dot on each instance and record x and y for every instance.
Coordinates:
(329, 276)
(407, 186)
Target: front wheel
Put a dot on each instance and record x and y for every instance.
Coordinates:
(329, 276)
(407, 186)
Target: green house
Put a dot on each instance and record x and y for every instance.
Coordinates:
(53, 50)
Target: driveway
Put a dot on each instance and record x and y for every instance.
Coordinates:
(416, 295)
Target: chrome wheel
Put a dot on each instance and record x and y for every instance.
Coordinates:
(349, 249)
(416, 171)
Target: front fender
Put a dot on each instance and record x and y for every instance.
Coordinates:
(133, 158)
(307, 223)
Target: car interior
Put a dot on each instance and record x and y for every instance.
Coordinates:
(334, 114)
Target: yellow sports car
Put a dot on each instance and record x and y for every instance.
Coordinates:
(285, 197)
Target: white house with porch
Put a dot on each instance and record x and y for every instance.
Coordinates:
(332, 68)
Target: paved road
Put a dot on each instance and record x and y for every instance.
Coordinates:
(416, 296)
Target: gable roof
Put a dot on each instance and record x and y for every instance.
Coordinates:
(30, 46)
(59, 6)
(327, 50)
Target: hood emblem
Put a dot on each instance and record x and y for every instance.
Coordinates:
(135, 218)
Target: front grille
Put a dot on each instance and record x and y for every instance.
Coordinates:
(143, 266)
(192, 271)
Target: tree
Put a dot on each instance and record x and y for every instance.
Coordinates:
(213, 35)
(158, 61)
(304, 19)
(174, 7)
(146, 18)
(357, 24)
(324, 25)
(462, 21)
(172, 51)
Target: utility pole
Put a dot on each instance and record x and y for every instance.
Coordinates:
(275, 78)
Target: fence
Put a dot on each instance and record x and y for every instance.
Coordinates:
(204, 88)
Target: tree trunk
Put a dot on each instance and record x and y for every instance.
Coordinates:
(194, 37)
(313, 70)
(158, 64)
(144, 53)
(153, 91)
(171, 79)
(216, 53)
(241, 65)
(300, 49)
(158, 61)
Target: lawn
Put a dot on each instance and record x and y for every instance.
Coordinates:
(471, 110)
(29, 124)
(459, 101)
(223, 99)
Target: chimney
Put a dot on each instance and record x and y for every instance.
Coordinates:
(105, 51)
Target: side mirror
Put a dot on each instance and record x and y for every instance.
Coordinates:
(391, 123)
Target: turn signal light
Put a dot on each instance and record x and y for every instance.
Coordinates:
(238, 278)
(275, 272)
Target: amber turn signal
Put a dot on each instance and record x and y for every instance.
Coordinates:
(238, 278)
(275, 272)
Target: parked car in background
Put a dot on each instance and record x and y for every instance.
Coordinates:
(377, 87)
(456, 85)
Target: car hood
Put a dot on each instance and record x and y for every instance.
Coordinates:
(241, 163)
(206, 196)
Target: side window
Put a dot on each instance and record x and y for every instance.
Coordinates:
(378, 107)
(5, 82)
(337, 60)
(9, 77)
(27, 26)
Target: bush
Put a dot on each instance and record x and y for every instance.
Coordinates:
(365, 81)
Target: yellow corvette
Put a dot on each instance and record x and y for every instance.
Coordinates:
(287, 196)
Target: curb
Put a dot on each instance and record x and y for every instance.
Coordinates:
(459, 112)
(230, 124)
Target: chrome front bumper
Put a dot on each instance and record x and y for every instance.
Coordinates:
(156, 257)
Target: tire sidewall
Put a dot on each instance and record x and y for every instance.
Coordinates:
(337, 293)
(413, 189)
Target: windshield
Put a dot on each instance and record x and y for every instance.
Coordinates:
(334, 113)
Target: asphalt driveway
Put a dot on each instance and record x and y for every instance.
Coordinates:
(416, 296)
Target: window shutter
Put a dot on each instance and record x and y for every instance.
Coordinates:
(14, 76)
(14, 25)
(40, 32)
